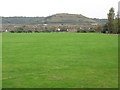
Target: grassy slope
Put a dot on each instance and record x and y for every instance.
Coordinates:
(65, 18)
(60, 60)
(60, 18)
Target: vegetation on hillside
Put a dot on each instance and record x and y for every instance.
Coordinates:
(62, 18)
(22, 20)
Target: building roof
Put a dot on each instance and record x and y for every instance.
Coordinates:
(71, 30)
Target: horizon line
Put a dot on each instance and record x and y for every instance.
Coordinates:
(51, 15)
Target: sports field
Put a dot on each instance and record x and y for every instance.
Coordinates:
(60, 60)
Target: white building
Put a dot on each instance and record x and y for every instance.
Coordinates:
(6, 30)
(58, 29)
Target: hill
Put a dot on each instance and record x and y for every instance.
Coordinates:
(61, 18)
(65, 18)
(100, 21)
(22, 20)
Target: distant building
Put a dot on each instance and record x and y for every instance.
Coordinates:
(58, 29)
(45, 24)
(17, 26)
(6, 30)
(94, 24)
(71, 30)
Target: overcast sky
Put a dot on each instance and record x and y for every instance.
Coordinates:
(89, 8)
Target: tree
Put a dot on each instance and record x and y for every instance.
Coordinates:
(119, 25)
(116, 25)
(19, 29)
(98, 28)
(111, 16)
(105, 28)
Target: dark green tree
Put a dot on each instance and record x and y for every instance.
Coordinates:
(111, 16)
(105, 28)
(116, 25)
(19, 29)
(119, 25)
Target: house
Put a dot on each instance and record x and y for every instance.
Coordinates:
(71, 30)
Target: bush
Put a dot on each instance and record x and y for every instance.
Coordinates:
(12, 31)
(36, 31)
(29, 31)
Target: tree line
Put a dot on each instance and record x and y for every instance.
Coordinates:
(113, 23)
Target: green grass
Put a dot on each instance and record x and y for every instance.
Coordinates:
(60, 60)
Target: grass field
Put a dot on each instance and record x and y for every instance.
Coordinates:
(60, 60)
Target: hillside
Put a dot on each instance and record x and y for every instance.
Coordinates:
(62, 18)
(22, 20)
(65, 18)
(100, 21)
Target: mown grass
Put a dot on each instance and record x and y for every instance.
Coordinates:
(60, 60)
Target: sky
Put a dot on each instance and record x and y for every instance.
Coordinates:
(31, 8)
